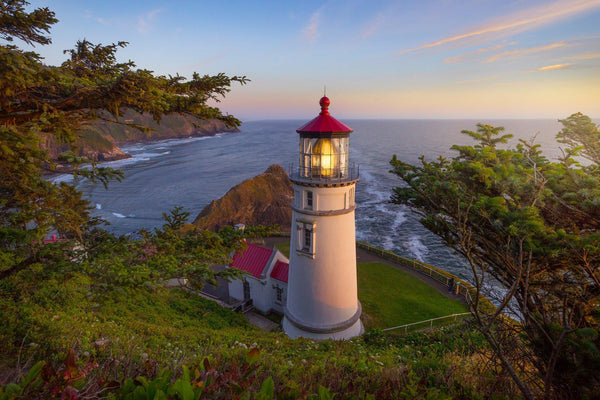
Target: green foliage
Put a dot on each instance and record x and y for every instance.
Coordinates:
(533, 226)
(16, 22)
(55, 103)
(417, 366)
(582, 136)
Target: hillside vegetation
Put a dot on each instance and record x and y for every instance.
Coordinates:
(124, 325)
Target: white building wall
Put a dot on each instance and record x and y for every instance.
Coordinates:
(262, 291)
(236, 289)
(322, 287)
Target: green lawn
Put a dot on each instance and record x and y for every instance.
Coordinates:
(284, 247)
(391, 297)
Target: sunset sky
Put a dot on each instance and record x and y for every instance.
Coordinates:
(379, 59)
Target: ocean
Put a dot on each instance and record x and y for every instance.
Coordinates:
(193, 172)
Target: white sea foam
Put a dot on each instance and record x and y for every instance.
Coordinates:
(417, 248)
(166, 143)
(118, 215)
(98, 206)
(62, 178)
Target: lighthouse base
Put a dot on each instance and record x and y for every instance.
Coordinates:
(295, 332)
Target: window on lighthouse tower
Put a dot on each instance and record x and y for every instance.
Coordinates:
(309, 200)
(307, 240)
(306, 244)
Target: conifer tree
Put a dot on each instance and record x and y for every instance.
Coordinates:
(37, 100)
(532, 226)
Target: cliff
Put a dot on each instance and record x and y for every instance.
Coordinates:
(263, 200)
(100, 141)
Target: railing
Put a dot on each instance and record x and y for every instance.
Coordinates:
(460, 287)
(334, 175)
(428, 321)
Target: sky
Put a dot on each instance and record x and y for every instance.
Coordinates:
(377, 59)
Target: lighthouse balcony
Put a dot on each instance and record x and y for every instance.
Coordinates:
(329, 176)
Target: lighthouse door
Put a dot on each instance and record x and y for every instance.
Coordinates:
(246, 290)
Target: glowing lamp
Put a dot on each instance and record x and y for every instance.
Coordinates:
(324, 146)
(325, 158)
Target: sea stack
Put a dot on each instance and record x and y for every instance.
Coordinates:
(322, 300)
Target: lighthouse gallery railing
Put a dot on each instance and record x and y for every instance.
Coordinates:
(334, 175)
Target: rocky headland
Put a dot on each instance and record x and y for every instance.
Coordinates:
(265, 199)
(100, 140)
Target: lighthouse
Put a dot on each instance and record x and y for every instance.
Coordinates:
(322, 300)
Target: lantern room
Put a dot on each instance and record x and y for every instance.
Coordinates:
(324, 147)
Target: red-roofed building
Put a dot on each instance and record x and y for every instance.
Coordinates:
(253, 260)
(280, 271)
(265, 282)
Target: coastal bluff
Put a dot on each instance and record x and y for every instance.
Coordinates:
(100, 140)
(265, 199)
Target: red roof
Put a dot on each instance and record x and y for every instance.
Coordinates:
(252, 260)
(280, 271)
(324, 123)
(54, 239)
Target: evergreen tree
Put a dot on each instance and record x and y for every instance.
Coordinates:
(38, 99)
(533, 226)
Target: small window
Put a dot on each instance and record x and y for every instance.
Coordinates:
(306, 245)
(307, 240)
(279, 294)
(309, 200)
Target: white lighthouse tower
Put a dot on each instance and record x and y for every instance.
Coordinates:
(322, 299)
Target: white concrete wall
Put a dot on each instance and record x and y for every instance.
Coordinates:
(325, 199)
(262, 292)
(322, 290)
(236, 289)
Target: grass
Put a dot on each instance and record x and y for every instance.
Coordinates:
(391, 297)
(284, 248)
(144, 328)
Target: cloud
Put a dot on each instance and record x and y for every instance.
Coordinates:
(471, 54)
(487, 78)
(311, 31)
(374, 25)
(146, 21)
(553, 67)
(586, 56)
(522, 52)
(520, 21)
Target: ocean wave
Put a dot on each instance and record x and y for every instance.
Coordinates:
(417, 248)
(62, 178)
(118, 215)
(165, 143)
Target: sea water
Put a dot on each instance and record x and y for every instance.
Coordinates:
(192, 172)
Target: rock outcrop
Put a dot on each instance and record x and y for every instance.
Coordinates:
(265, 199)
(100, 141)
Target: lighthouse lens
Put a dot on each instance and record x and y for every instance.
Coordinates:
(325, 157)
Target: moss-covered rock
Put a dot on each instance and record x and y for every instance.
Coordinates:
(263, 200)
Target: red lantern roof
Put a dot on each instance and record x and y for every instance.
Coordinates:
(324, 123)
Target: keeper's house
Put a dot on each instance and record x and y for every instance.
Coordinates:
(265, 281)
